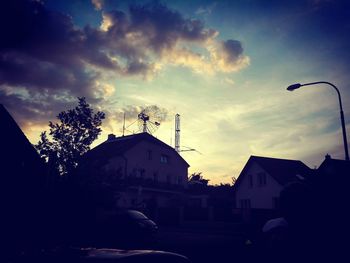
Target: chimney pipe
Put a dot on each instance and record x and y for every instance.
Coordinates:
(111, 137)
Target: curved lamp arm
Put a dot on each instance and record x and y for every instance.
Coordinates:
(298, 85)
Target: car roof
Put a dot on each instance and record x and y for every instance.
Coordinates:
(121, 255)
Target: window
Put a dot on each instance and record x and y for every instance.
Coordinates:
(245, 203)
(149, 154)
(250, 176)
(179, 180)
(261, 179)
(164, 158)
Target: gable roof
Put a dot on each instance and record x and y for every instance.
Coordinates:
(120, 145)
(19, 157)
(284, 171)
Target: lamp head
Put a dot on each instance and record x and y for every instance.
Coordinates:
(294, 86)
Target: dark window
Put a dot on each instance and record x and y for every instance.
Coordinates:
(168, 179)
(164, 158)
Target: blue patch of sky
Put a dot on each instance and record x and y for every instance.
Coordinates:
(82, 12)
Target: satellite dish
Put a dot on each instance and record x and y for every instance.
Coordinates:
(149, 119)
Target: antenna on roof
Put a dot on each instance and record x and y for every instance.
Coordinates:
(177, 137)
(124, 124)
(171, 137)
(177, 132)
(149, 119)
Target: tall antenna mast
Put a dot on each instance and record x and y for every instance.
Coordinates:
(177, 132)
(124, 125)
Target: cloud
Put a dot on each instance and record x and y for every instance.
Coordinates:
(43, 54)
(187, 58)
(228, 56)
(98, 4)
(164, 27)
(152, 36)
(206, 10)
(229, 81)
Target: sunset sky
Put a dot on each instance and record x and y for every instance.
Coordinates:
(222, 65)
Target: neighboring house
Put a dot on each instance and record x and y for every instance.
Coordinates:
(22, 181)
(333, 195)
(334, 167)
(262, 179)
(333, 178)
(20, 162)
(143, 171)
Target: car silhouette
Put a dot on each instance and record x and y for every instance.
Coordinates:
(127, 229)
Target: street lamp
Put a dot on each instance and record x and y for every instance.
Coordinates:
(298, 85)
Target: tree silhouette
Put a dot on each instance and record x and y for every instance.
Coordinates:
(234, 180)
(198, 178)
(71, 137)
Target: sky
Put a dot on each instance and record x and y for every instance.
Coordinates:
(222, 65)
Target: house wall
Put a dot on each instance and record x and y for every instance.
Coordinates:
(116, 165)
(144, 160)
(261, 197)
(162, 170)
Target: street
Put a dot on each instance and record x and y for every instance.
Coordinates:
(201, 245)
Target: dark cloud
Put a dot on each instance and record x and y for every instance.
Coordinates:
(233, 50)
(43, 51)
(44, 55)
(164, 27)
(38, 109)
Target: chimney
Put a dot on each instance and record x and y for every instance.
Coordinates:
(328, 157)
(111, 137)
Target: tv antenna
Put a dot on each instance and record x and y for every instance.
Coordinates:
(149, 119)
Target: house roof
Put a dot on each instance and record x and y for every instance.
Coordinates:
(284, 171)
(16, 152)
(334, 167)
(120, 145)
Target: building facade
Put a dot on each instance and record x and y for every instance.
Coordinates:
(262, 179)
(142, 171)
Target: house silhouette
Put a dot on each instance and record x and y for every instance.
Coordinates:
(262, 179)
(22, 185)
(142, 171)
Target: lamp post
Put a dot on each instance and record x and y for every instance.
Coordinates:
(298, 85)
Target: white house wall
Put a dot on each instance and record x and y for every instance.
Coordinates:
(261, 197)
(138, 158)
